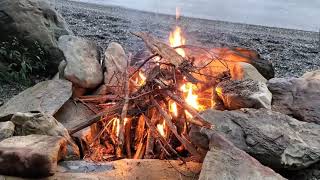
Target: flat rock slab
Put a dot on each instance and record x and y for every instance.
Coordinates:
(297, 97)
(227, 162)
(72, 114)
(46, 97)
(31, 156)
(126, 169)
(274, 139)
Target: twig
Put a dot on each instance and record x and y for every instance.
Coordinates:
(173, 129)
(109, 112)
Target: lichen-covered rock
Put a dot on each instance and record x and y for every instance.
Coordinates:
(46, 97)
(297, 97)
(34, 21)
(237, 94)
(31, 156)
(274, 139)
(6, 130)
(82, 62)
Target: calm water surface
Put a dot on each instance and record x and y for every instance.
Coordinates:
(293, 14)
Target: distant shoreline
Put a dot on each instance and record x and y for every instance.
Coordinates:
(278, 16)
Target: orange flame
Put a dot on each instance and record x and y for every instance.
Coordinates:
(173, 108)
(176, 38)
(140, 79)
(161, 129)
(190, 97)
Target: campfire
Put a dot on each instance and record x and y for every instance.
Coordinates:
(153, 103)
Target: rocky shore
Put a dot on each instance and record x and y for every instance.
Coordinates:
(292, 52)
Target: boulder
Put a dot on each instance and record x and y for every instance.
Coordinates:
(46, 97)
(275, 139)
(6, 130)
(243, 71)
(33, 21)
(31, 156)
(82, 62)
(237, 94)
(42, 124)
(227, 162)
(297, 97)
(115, 63)
(312, 75)
(37, 123)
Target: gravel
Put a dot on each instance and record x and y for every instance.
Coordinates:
(292, 52)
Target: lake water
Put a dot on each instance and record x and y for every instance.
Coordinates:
(293, 14)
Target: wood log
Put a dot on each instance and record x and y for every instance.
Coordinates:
(157, 136)
(140, 130)
(162, 49)
(173, 129)
(127, 137)
(197, 118)
(109, 112)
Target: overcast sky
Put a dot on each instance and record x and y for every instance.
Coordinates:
(294, 14)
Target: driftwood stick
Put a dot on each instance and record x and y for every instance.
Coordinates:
(127, 137)
(124, 112)
(162, 49)
(98, 98)
(140, 149)
(173, 129)
(197, 118)
(157, 135)
(150, 145)
(112, 111)
(139, 131)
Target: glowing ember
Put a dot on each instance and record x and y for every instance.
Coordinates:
(176, 38)
(161, 128)
(173, 108)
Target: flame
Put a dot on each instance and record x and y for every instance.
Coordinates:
(191, 98)
(116, 126)
(140, 79)
(161, 128)
(173, 108)
(176, 38)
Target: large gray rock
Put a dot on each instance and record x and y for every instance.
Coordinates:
(6, 130)
(274, 139)
(115, 63)
(42, 124)
(243, 71)
(237, 94)
(312, 75)
(82, 61)
(34, 21)
(227, 162)
(297, 97)
(31, 156)
(46, 97)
